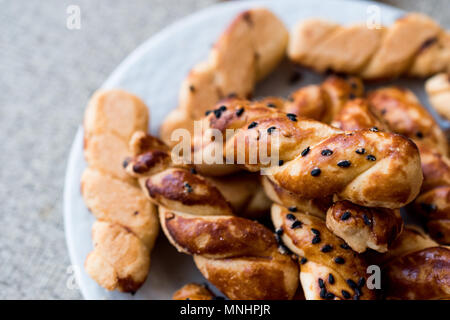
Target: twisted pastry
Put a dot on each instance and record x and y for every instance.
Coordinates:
(414, 45)
(249, 49)
(317, 160)
(239, 256)
(329, 269)
(404, 114)
(415, 268)
(193, 291)
(438, 90)
(127, 224)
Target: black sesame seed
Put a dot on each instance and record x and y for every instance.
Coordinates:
(323, 293)
(292, 209)
(217, 113)
(316, 240)
(279, 231)
(305, 152)
(339, 260)
(223, 108)
(280, 163)
(361, 282)
(374, 129)
(330, 279)
(297, 224)
(252, 125)
(419, 134)
(360, 151)
(351, 283)
(303, 260)
(329, 296)
(240, 112)
(327, 152)
(344, 163)
(292, 117)
(346, 215)
(346, 294)
(193, 171)
(367, 221)
(188, 187)
(315, 172)
(428, 207)
(371, 157)
(326, 248)
(315, 231)
(207, 112)
(321, 283)
(291, 217)
(345, 246)
(271, 129)
(271, 105)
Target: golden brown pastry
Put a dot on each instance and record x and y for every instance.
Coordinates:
(438, 90)
(329, 269)
(414, 45)
(415, 268)
(317, 160)
(403, 113)
(127, 224)
(239, 256)
(249, 49)
(193, 291)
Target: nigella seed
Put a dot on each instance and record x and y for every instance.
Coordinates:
(345, 246)
(222, 108)
(271, 105)
(292, 117)
(360, 151)
(327, 152)
(303, 260)
(315, 231)
(315, 172)
(329, 296)
(292, 209)
(344, 163)
(346, 294)
(296, 224)
(351, 283)
(271, 129)
(193, 171)
(339, 260)
(280, 163)
(419, 134)
(361, 282)
(188, 187)
(323, 293)
(305, 152)
(279, 231)
(291, 217)
(316, 240)
(252, 125)
(321, 283)
(326, 248)
(330, 279)
(367, 221)
(207, 112)
(346, 215)
(217, 113)
(371, 157)
(374, 129)
(240, 112)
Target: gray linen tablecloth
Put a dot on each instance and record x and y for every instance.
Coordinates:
(47, 74)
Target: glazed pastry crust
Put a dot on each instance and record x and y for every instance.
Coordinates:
(438, 90)
(193, 291)
(414, 45)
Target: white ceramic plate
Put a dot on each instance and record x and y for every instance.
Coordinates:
(154, 72)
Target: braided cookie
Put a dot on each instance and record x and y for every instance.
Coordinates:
(404, 114)
(329, 269)
(193, 291)
(414, 45)
(239, 256)
(317, 160)
(438, 90)
(415, 268)
(127, 224)
(249, 49)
